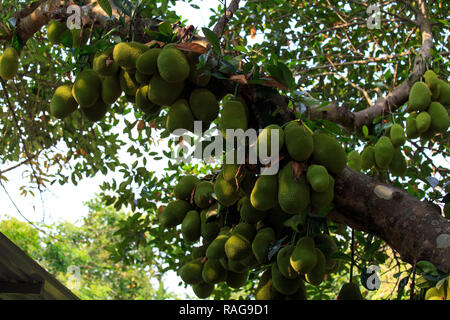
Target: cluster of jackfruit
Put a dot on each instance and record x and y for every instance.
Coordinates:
(9, 63)
(57, 32)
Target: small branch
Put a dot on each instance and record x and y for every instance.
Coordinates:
(219, 28)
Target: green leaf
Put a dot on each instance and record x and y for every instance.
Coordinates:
(106, 6)
(213, 40)
(365, 131)
(165, 29)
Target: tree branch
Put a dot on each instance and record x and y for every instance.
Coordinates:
(219, 28)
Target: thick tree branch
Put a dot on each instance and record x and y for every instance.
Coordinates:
(219, 28)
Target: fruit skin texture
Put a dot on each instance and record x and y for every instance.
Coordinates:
(398, 164)
(293, 196)
(55, 29)
(328, 246)
(203, 290)
(173, 65)
(146, 63)
(236, 280)
(321, 200)
(264, 141)
(238, 246)
(185, 186)
(9, 63)
(103, 66)
(439, 117)
(191, 272)
(282, 284)
(384, 152)
(397, 135)
(431, 79)
(180, 117)
(265, 289)
(213, 272)
(86, 88)
(125, 54)
(423, 122)
(202, 195)
(368, 158)
(162, 92)
(128, 83)
(174, 213)
(204, 105)
(248, 213)
(261, 244)
(350, 291)
(225, 191)
(284, 264)
(444, 94)
(216, 249)
(209, 230)
(304, 258)
(190, 227)
(419, 97)
(354, 160)
(143, 103)
(411, 128)
(299, 142)
(233, 116)
(111, 90)
(317, 177)
(329, 153)
(97, 111)
(264, 193)
(62, 103)
(316, 276)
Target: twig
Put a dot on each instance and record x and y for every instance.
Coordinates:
(219, 28)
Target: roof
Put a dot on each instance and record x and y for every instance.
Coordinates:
(22, 278)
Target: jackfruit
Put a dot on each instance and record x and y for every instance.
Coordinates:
(328, 152)
(350, 291)
(265, 289)
(247, 183)
(55, 29)
(300, 294)
(190, 227)
(384, 152)
(173, 65)
(248, 213)
(264, 193)
(146, 62)
(317, 274)
(431, 79)
(104, 64)
(86, 88)
(199, 252)
(162, 92)
(264, 142)
(225, 191)
(238, 246)
(304, 258)
(317, 177)
(183, 190)
(397, 135)
(213, 272)
(202, 195)
(237, 266)
(204, 105)
(397, 167)
(143, 103)
(423, 122)
(229, 172)
(368, 158)
(203, 290)
(209, 229)
(237, 280)
(439, 117)
(299, 142)
(233, 116)
(142, 78)
(293, 196)
(328, 246)
(62, 103)
(9, 63)
(179, 117)
(216, 249)
(97, 111)
(111, 90)
(174, 213)
(354, 160)
(444, 93)
(282, 284)
(196, 76)
(125, 54)
(322, 200)
(128, 83)
(284, 263)
(419, 97)
(79, 38)
(261, 244)
(191, 272)
(411, 128)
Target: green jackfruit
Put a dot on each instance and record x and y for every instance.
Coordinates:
(264, 193)
(213, 272)
(209, 229)
(237, 280)
(183, 190)
(411, 128)
(265, 289)
(180, 117)
(55, 29)
(329, 152)
(284, 262)
(397, 135)
(216, 249)
(174, 213)
(328, 246)
(317, 274)
(247, 184)
(397, 167)
(304, 258)
(317, 177)
(111, 90)
(199, 252)
(142, 78)
(143, 103)
(350, 291)
(79, 38)
(300, 294)
(191, 272)
(384, 151)
(146, 62)
(238, 246)
(230, 170)
(103, 63)
(204, 105)
(299, 142)
(293, 196)
(9, 63)
(261, 244)
(431, 79)
(162, 92)
(97, 111)
(225, 191)
(128, 83)
(202, 195)
(444, 93)
(354, 160)
(86, 88)
(125, 54)
(173, 65)
(233, 116)
(322, 200)
(191, 226)
(248, 213)
(203, 290)
(264, 142)
(368, 158)
(62, 103)
(237, 266)
(284, 285)
(439, 117)
(423, 122)
(419, 97)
